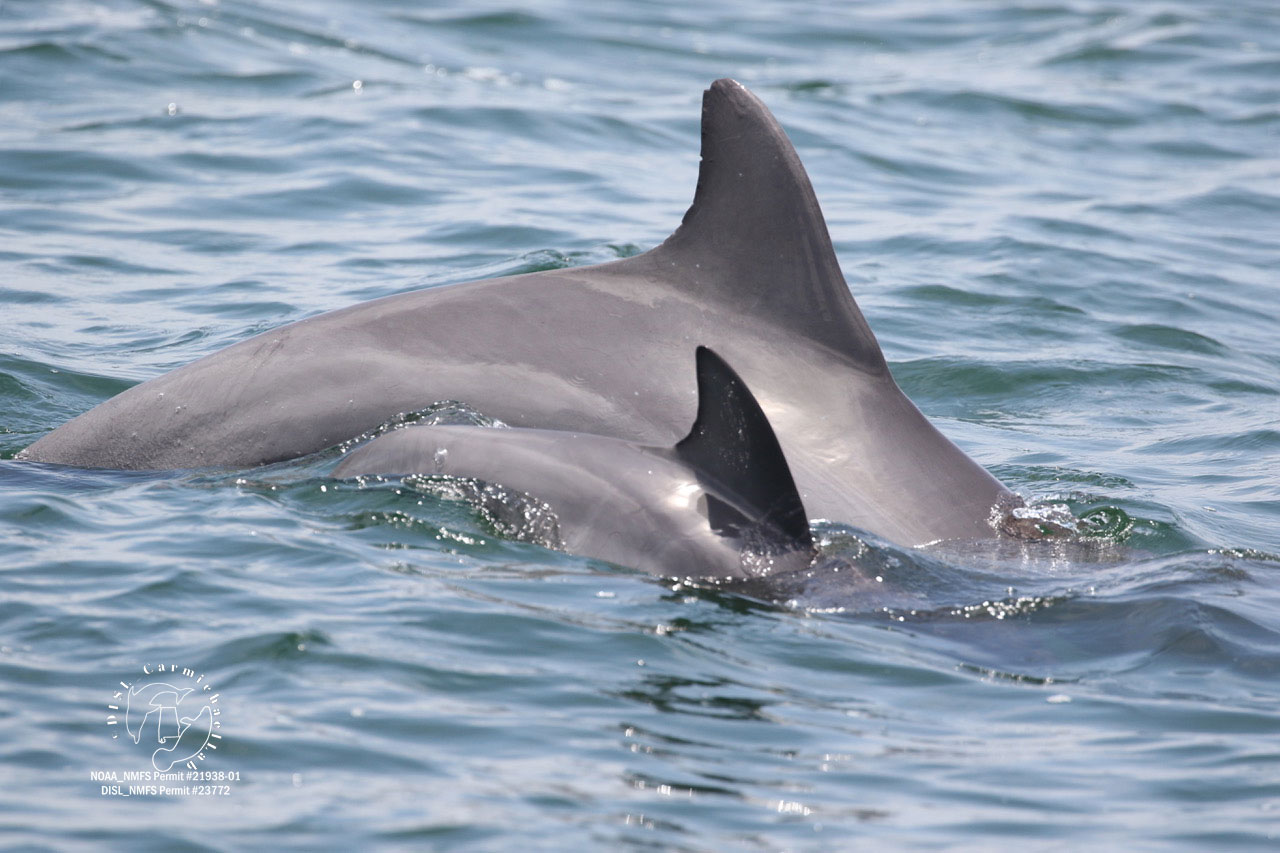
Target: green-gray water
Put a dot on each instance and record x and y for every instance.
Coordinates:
(1062, 219)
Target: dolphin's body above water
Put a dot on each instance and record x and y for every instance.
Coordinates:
(602, 349)
(720, 503)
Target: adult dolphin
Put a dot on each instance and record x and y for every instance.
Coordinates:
(721, 503)
(750, 272)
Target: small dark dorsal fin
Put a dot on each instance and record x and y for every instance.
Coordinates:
(755, 237)
(733, 445)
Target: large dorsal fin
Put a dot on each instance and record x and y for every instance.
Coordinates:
(755, 235)
(733, 445)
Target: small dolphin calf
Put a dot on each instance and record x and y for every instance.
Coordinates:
(750, 272)
(720, 503)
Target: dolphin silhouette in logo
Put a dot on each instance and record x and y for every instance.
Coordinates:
(750, 272)
(156, 701)
(192, 737)
(721, 502)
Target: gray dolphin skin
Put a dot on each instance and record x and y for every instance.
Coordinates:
(720, 503)
(750, 272)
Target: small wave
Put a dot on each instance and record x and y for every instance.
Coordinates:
(444, 413)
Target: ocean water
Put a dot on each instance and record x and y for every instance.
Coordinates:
(1061, 218)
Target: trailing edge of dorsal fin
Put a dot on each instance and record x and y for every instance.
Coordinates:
(733, 444)
(755, 235)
